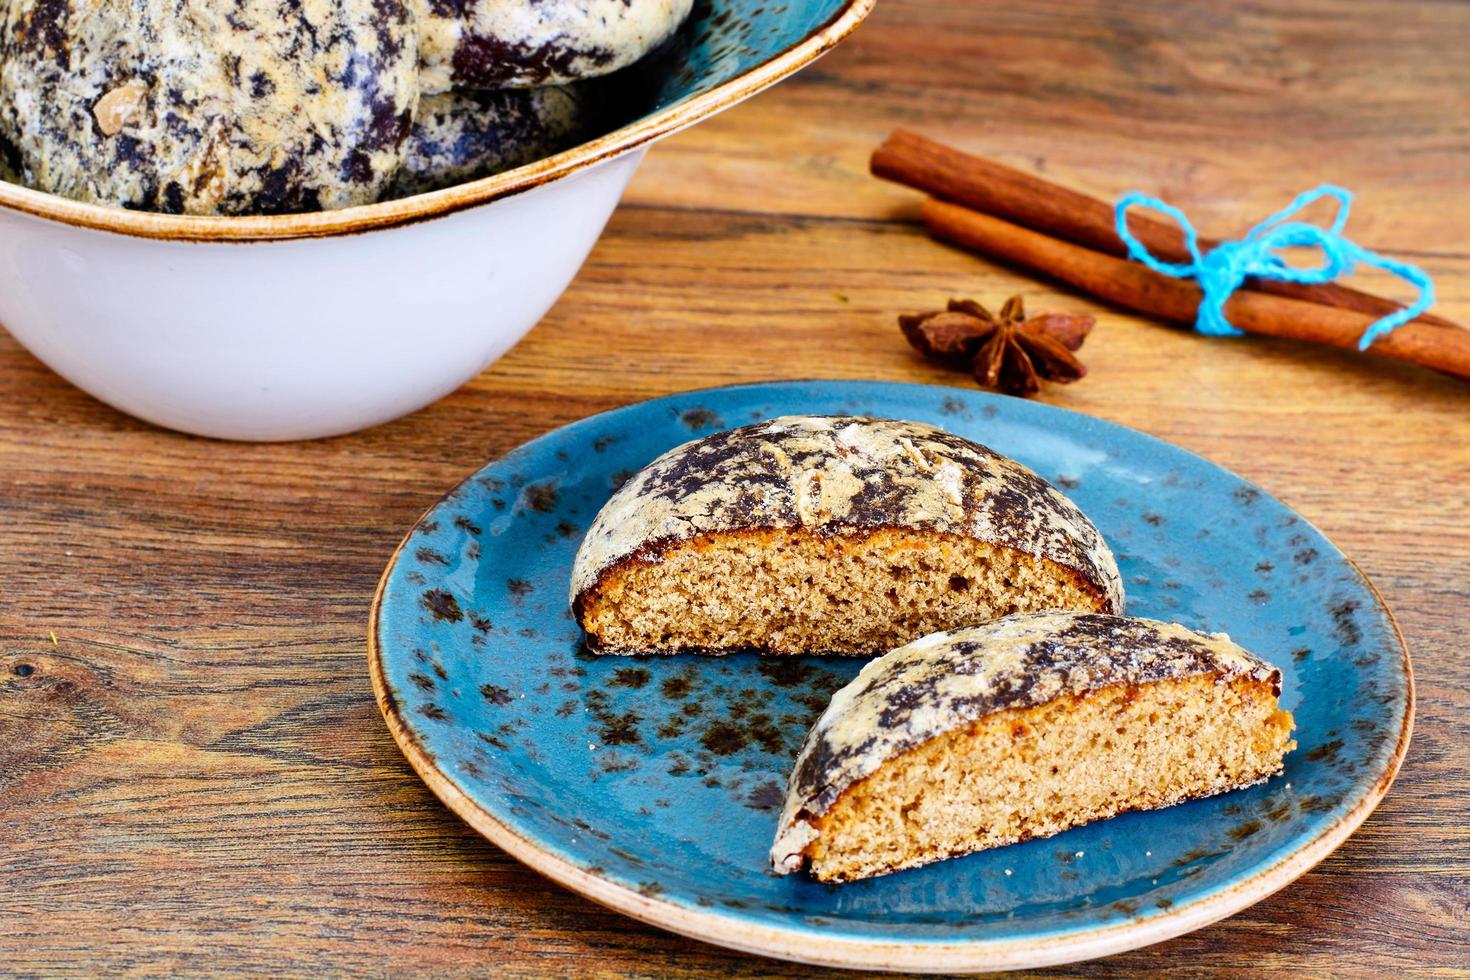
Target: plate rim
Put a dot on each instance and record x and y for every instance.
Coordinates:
(914, 955)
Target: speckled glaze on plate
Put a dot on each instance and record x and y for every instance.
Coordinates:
(652, 785)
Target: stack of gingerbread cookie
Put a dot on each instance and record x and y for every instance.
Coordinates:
(256, 107)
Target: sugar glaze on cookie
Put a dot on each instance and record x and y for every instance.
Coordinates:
(830, 534)
(201, 107)
(1022, 728)
(518, 43)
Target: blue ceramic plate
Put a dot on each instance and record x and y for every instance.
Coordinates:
(652, 785)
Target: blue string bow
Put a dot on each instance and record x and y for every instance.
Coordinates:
(1221, 271)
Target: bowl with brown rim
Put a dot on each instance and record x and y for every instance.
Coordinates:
(298, 326)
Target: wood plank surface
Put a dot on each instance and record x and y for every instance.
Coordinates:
(193, 775)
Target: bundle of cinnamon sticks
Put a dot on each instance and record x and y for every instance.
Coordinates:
(1014, 217)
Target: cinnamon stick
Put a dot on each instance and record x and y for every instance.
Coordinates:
(1041, 205)
(1136, 287)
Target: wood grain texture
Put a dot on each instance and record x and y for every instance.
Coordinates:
(193, 775)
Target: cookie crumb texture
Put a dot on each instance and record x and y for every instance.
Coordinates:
(518, 43)
(791, 591)
(196, 107)
(833, 535)
(1021, 729)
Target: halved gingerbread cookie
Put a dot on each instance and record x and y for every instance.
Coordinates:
(1022, 728)
(830, 534)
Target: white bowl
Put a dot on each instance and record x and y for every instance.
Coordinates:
(301, 326)
(298, 338)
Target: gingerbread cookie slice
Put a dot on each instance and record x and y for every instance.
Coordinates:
(1022, 728)
(830, 534)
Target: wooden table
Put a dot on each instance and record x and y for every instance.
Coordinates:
(195, 777)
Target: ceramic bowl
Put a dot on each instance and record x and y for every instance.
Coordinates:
(301, 326)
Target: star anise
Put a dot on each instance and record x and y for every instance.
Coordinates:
(1008, 351)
